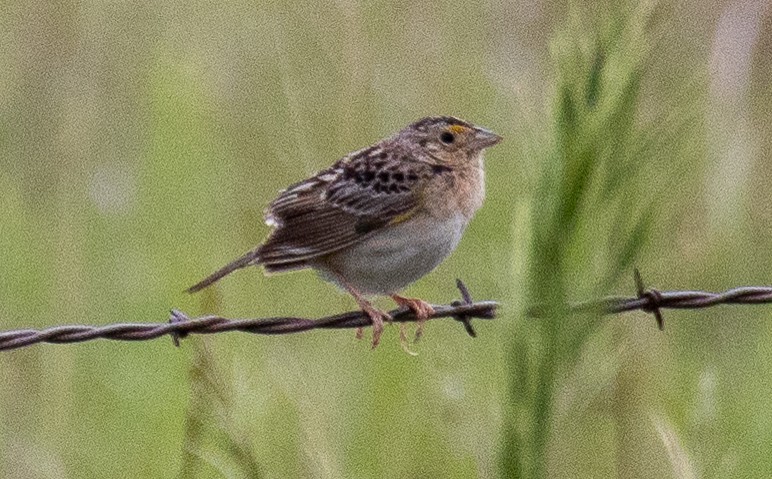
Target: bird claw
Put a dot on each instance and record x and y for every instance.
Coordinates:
(403, 340)
(421, 308)
(377, 317)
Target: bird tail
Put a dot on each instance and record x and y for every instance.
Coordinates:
(243, 262)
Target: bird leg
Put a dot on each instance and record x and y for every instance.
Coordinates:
(376, 315)
(421, 308)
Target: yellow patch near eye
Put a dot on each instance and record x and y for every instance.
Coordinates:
(457, 128)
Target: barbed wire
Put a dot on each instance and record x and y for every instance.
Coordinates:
(653, 301)
(180, 325)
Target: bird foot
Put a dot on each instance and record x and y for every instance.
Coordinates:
(421, 308)
(377, 317)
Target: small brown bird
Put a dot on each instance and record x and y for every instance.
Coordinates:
(379, 218)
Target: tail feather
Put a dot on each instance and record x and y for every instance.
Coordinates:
(243, 262)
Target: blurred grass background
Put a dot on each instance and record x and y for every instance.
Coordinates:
(139, 143)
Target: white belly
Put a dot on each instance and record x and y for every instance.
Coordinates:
(392, 259)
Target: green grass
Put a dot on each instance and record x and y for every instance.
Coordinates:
(590, 219)
(139, 146)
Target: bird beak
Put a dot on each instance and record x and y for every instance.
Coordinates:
(485, 138)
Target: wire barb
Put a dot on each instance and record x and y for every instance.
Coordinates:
(654, 299)
(467, 299)
(180, 325)
(176, 316)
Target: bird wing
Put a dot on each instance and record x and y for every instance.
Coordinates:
(362, 193)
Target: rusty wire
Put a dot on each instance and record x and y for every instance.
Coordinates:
(653, 301)
(179, 326)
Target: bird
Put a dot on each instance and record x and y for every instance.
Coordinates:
(379, 218)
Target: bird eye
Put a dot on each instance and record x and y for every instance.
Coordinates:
(447, 137)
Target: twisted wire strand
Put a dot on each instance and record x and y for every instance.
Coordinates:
(180, 325)
(677, 300)
(653, 301)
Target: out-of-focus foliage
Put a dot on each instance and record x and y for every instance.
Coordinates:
(139, 143)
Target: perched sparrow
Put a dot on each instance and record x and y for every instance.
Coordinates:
(379, 218)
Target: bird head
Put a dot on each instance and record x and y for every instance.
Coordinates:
(447, 139)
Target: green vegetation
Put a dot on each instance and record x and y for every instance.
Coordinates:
(140, 143)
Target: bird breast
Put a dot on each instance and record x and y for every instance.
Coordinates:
(462, 192)
(396, 256)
